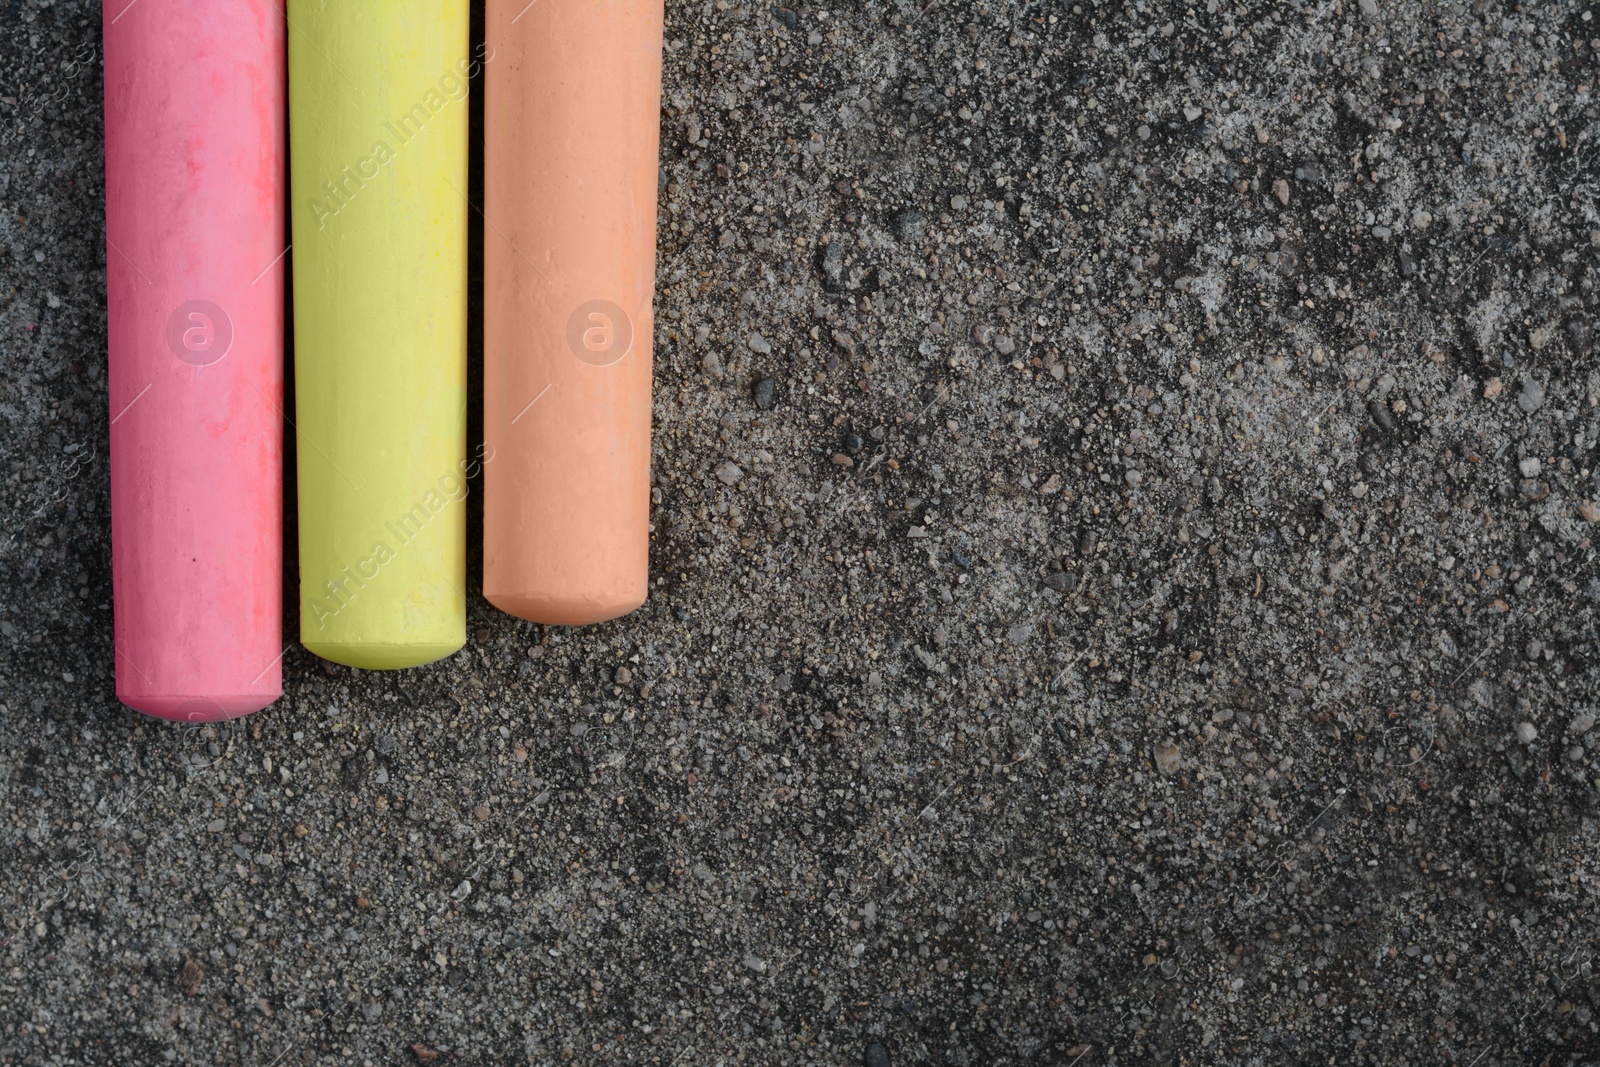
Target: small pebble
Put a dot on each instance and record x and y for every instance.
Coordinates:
(1380, 415)
(190, 976)
(764, 393)
(1168, 757)
(1061, 581)
(1526, 733)
(1531, 398)
(833, 261)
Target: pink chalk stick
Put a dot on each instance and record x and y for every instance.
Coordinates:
(195, 180)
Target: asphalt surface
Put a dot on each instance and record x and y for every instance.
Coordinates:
(1123, 588)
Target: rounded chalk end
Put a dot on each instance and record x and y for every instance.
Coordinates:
(558, 610)
(384, 656)
(191, 708)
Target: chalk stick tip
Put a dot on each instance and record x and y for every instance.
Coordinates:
(557, 609)
(384, 656)
(193, 707)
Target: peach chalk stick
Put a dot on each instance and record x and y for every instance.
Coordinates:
(572, 114)
(378, 127)
(194, 112)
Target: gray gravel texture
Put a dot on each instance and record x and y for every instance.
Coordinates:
(1124, 588)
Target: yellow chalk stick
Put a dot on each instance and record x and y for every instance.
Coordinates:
(378, 168)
